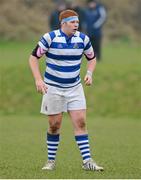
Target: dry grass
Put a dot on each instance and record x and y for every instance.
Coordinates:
(24, 19)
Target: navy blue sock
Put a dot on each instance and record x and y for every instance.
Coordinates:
(52, 145)
(83, 144)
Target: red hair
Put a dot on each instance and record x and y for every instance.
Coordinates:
(66, 14)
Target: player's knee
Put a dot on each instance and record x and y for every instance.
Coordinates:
(81, 124)
(54, 127)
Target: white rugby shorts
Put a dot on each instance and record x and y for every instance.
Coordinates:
(58, 100)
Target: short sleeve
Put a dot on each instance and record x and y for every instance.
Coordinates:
(45, 41)
(88, 49)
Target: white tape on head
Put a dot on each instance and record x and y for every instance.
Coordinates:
(71, 18)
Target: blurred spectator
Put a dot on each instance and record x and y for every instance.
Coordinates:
(75, 6)
(95, 16)
(54, 17)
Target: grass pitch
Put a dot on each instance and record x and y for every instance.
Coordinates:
(114, 117)
(115, 144)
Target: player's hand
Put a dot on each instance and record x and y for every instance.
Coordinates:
(41, 86)
(88, 80)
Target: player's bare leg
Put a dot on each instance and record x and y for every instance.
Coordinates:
(78, 118)
(55, 122)
(53, 140)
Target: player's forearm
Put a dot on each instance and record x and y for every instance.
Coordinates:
(33, 63)
(91, 66)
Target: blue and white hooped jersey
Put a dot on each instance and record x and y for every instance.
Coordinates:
(64, 56)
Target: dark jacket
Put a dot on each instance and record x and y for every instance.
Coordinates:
(94, 20)
(54, 20)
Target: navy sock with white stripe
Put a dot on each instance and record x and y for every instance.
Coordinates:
(83, 144)
(52, 145)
